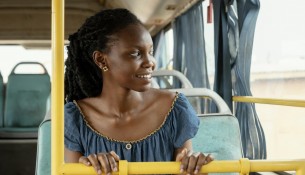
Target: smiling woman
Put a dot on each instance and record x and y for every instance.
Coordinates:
(109, 97)
(114, 58)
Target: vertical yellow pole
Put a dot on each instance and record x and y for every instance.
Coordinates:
(57, 93)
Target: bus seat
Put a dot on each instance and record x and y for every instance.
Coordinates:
(43, 159)
(162, 74)
(219, 133)
(25, 102)
(1, 100)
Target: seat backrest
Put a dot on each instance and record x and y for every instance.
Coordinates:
(26, 98)
(1, 100)
(162, 74)
(43, 159)
(218, 133)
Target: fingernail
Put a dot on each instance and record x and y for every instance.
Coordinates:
(88, 163)
(115, 169)
(196, 171)
(181, 168)
(99, 172)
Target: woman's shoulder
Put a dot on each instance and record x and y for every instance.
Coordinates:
(176, 99)
(70, 107)
(162, 94)
(71, 111)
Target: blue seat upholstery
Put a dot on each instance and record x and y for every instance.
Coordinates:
(25, 103)
(43, 160)
(219, 133)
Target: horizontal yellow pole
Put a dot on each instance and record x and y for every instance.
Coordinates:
(263, 166)
(243, 165)
(283, 102)
(154, 168)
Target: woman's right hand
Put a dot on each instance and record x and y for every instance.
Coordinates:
(106, 162)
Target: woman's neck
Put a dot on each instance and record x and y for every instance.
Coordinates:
(120, 101)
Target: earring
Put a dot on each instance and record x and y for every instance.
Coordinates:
(105, 68)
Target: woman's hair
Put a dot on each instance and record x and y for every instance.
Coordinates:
(83, 78)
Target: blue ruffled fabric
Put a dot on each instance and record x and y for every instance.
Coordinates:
(180, 125)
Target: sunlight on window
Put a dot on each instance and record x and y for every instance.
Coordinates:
(278, 71)
(12, 55)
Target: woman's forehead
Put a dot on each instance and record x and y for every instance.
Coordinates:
(134, 33)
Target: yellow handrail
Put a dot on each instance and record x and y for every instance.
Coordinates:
(242, 166)
(273, 101)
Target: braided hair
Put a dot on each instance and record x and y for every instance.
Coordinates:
(83, 78)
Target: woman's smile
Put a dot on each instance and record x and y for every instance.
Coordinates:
(144, 76)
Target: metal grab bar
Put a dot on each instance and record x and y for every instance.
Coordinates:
(242, 166)
(272, 101)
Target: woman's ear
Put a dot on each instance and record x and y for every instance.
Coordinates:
(99, 58)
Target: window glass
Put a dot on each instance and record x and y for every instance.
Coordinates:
(278, 71)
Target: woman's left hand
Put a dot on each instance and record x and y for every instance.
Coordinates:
(191, 162)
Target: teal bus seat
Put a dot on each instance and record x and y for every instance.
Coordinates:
(25, 102)
(1, 100)
(43, 158)
(219, 133)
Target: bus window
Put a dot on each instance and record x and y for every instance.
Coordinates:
(278, 71)
(12, 55)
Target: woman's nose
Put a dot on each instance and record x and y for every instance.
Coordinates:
(149, 61)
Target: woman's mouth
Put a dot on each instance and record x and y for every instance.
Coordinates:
(144, 76)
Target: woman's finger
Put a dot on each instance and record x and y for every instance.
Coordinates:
(200, 162)
(181, 155)
(84, 160)
(115, 156)
(95, 163)
(181, 158)
(209, 158)
(112, 162)
(192, 162)
(104, 162)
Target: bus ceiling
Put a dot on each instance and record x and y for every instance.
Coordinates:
(28, 23)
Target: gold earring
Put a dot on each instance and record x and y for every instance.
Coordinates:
(105, 68)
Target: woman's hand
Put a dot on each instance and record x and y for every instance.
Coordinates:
(192, 162)
(108, 162)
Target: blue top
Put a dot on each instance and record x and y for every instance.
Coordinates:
(180, 125)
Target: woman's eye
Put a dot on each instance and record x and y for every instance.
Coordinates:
(135, 54)
(151, 52)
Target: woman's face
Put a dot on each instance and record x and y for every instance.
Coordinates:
(130, 58)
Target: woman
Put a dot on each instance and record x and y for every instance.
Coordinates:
(112, 112)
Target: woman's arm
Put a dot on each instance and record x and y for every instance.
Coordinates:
(72, 156)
